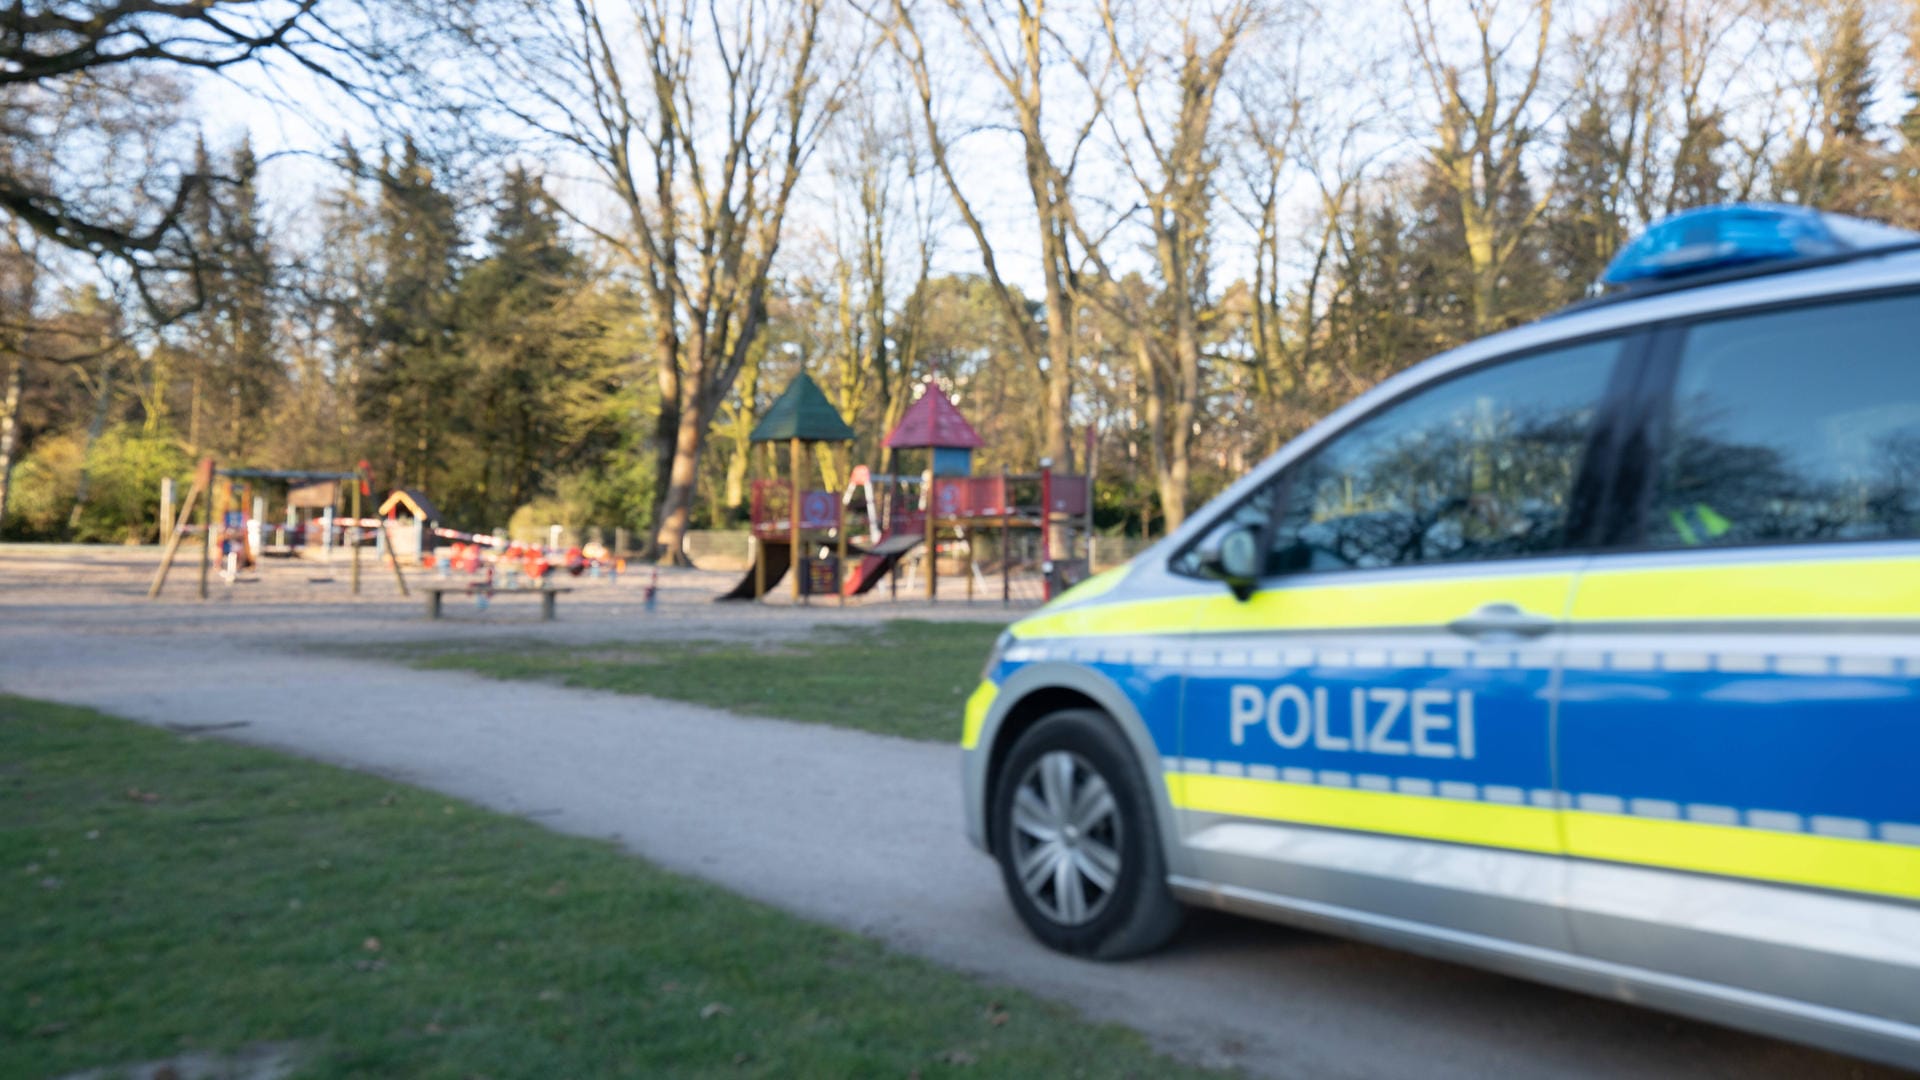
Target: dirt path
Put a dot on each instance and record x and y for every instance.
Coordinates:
(857, 830)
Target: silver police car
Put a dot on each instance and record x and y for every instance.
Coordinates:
(1588, 652)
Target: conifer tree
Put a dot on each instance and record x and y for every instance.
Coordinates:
(404, 367)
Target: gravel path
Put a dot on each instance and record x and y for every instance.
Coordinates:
(858, 830)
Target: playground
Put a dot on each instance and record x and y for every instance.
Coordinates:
(256, 535)
(1038, 526)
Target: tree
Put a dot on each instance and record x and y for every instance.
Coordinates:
(544, 385)
(1832, 163)
(1169, 151)
(1483, 130)
(701, 144)
(1015, 45)
(230, 356)
(19, 296)
(92, 161)
(406, 336)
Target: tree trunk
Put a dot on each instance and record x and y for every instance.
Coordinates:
(1156, 408)
(683, 475)
(9, 409)
(193, 416)
(666, 427)
(1478, 227)
(737, 475)
(102, 405)
(1173, 493)
(1056, 436)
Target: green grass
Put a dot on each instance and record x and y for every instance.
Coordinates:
(903, 677)
(165, 894)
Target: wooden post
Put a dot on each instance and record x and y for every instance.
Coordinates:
(795, 449)
(180, 523)
(209, 515)
(166, 507)
(1046, 527)
(840, 530)
(393, 556)
(759, 547)
(933, 536)
(353, 534)
(966, 545)
(1006, 539)
(1092, 448)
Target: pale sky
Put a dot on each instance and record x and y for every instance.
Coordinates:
(1356, 62)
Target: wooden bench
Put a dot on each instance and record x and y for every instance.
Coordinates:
(548, 594)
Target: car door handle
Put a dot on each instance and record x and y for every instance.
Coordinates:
(1501, 620)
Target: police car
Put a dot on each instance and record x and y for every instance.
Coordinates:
(1588, 652)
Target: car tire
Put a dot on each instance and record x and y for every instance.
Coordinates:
(1078, 840)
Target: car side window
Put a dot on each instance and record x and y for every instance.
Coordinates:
(1794, 426)
(1481, 466)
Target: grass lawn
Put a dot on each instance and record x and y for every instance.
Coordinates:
(165, 894)
(902, 677)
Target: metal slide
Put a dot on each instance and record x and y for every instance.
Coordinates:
(877, 562)
(779, 556)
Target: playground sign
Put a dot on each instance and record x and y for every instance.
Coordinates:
(822, 577)
(771, 508)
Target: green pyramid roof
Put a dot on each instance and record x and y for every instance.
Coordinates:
(802, 412)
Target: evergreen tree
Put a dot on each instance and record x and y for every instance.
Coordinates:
(1583, 226)
(404, 375)
(543, 385)
(229, 353)
(1697, 177)
(1835, 165)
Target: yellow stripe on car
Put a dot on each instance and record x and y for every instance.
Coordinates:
(1799, 858)
(1851, 589)
(978, 703)
(1875, 588)
(1526, 828)
(1794, 858)
(1432, 601)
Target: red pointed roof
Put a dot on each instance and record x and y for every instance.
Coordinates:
(934, 421)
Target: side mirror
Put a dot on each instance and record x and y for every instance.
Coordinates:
(1236, 561)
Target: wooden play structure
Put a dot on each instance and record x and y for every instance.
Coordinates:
(784, 523)
(235, 529)
(942, 510)
(413, 534)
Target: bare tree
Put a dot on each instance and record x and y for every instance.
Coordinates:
(19, 296)
(87, 82)
(1018, 49)
(1172, 63)
(1483, 128)
(869, 173)
(699, 123)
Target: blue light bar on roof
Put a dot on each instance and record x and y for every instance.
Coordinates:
(1723, 237)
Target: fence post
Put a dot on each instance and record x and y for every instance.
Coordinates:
(1006, 539)
(166, 507)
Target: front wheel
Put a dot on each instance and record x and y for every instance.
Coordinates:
(1077, 841)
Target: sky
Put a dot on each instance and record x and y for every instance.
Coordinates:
(294, 121)
(1355, 62)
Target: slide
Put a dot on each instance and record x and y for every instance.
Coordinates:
(779, 556)
(877, 562)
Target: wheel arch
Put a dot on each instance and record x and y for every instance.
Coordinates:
(1038, 691)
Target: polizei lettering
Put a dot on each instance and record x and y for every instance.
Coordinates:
(1365, 720)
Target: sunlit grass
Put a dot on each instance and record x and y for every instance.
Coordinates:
(165, 894)
(903, 677)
